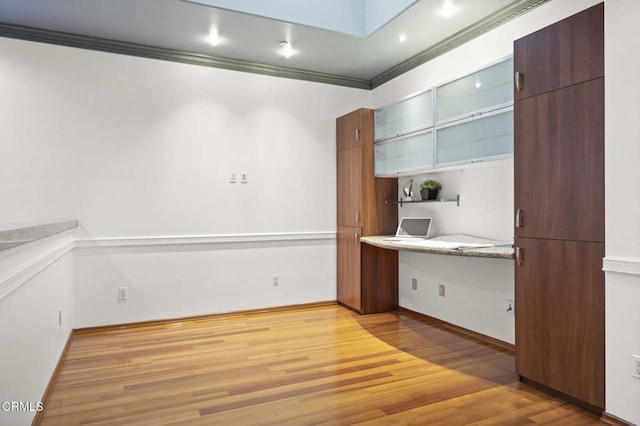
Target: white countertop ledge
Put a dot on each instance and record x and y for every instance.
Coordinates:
(452, 245)
(16, 234)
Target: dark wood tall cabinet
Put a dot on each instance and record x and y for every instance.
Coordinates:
(367, 276)
(559, 206)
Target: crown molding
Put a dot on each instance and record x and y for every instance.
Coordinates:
(512, 11)
(481, 27)
(131, 49)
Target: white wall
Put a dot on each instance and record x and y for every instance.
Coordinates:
(133, 146)
(486, 201)
(622, 261)
(477, 304)
(31, 337)
(486, 207)
(136, 148)
(477, 289)
(180, 281)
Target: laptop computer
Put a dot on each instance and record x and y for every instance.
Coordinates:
(412, 228)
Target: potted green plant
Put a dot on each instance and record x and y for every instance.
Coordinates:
(429, 189)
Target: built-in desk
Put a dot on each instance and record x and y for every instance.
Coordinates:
(451, 245)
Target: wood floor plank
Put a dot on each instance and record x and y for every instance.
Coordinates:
(315, 365)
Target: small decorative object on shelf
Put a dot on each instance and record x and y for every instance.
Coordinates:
(408, 190)
(429, 189)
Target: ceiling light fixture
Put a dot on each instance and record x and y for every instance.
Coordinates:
(448, 9)
(402, 38)
(214, 38)
(478, 84)
(287, 51)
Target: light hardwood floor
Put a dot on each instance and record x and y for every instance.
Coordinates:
(321, 365)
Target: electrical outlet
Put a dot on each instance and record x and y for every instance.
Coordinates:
(123, 293)
(511, 307)
(243, 177)
(233, 178)
(276, 280)
(636, 366)
(441, 290)
(414, 283)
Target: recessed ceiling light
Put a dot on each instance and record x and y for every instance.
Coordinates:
(287, 51)
(478, 84)
(214, 39)
(448, 9)
(402, 38)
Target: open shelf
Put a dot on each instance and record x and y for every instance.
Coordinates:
(438, 200)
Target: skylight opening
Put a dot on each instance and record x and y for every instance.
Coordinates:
(355, 17)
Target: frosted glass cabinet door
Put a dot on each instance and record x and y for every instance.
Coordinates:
(411, 152)
(487, 89)
(476, 138)
(410, 115)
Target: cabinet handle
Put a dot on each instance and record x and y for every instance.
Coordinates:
(519, 256)
(357, 134)
(357, 216)
(518, 218)
(356, 238)
(516, 78)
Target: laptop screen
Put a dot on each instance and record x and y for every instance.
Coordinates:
(414, 227)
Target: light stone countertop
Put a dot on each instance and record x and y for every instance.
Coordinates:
(451, 245)
(16, 234)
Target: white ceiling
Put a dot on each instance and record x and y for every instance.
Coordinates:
(181, 26)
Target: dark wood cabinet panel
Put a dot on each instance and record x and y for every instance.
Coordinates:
(559, 163)
(379, 273)
(368, 275)
(352, 128)
(360, 195)
(349, 182)
(560, 316)
(349, 264)
(367, 278)
(568, 52)
(378, 217)
(559, 207)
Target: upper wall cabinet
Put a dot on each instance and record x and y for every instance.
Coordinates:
(485, 90)
(474, 116)
(474, 139)
(409, 115)
(350, 130)
(410, 152)
(570, 52)
(463, 121)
